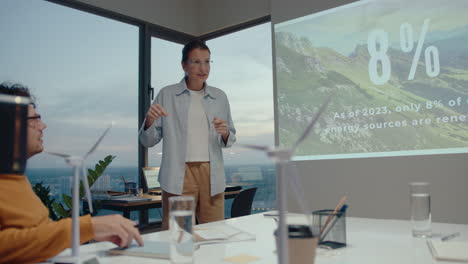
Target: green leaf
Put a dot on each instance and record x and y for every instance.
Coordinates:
(99, 169)
(93, 175)
(67, 200)
(58, 207)
(81, 190)
(109, 158)
(90, 171)
(44, 194)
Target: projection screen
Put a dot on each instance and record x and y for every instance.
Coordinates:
(397, 72)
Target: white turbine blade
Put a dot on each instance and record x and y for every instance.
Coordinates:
(97, 142)
(299, 192)
(86, 187)
(58, 154)
(255, 147)
(311, 125)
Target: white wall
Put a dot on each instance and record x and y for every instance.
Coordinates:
(378, 187)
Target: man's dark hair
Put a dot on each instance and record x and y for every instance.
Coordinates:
(17, 90)
(194, 44)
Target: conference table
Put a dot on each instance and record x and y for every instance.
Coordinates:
(369, 241)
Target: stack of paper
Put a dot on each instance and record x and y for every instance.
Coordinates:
(220, 234)
(451, 251)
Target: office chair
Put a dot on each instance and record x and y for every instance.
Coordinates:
(242, 204)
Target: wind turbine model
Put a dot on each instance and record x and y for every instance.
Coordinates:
(282, 156)
(78, 164)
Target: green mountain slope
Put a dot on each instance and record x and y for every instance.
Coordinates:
(306, 75)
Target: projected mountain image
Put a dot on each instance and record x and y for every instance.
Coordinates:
(363, 117)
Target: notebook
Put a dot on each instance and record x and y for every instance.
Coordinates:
(151, 177)
(451, 251)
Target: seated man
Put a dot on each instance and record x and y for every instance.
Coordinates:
(26, 232)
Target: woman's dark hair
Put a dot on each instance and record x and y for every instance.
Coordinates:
(17, 90)
(194, 44)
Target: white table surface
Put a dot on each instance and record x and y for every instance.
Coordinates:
(369, 241)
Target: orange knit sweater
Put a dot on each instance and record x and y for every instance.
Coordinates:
(26, 232)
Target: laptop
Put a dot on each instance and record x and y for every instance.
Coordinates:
(151, 177)
(232, 188)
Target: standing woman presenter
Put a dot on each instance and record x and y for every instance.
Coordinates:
(195, 121)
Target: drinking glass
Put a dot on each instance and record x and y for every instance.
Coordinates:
(181, 221)
(420, 209)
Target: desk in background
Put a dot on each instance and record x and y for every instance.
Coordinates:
(370, 241)
(126, 208)
(143, 207)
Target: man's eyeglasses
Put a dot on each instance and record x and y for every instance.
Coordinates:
(34, 120)
(199, 63)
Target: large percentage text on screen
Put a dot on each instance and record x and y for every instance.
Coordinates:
(377, 45)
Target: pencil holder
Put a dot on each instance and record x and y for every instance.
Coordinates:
(331, 227)
(131, 187)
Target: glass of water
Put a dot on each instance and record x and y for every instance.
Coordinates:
(420, 209)
(181, 221)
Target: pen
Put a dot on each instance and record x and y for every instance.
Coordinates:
(340, 204)
(448, 237)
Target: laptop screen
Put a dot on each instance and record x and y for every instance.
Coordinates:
(151, 176)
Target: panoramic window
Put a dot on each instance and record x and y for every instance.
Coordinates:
(242, 67)
(165, 70)
(83, 70)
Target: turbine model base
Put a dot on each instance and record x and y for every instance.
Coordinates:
(83, 259)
